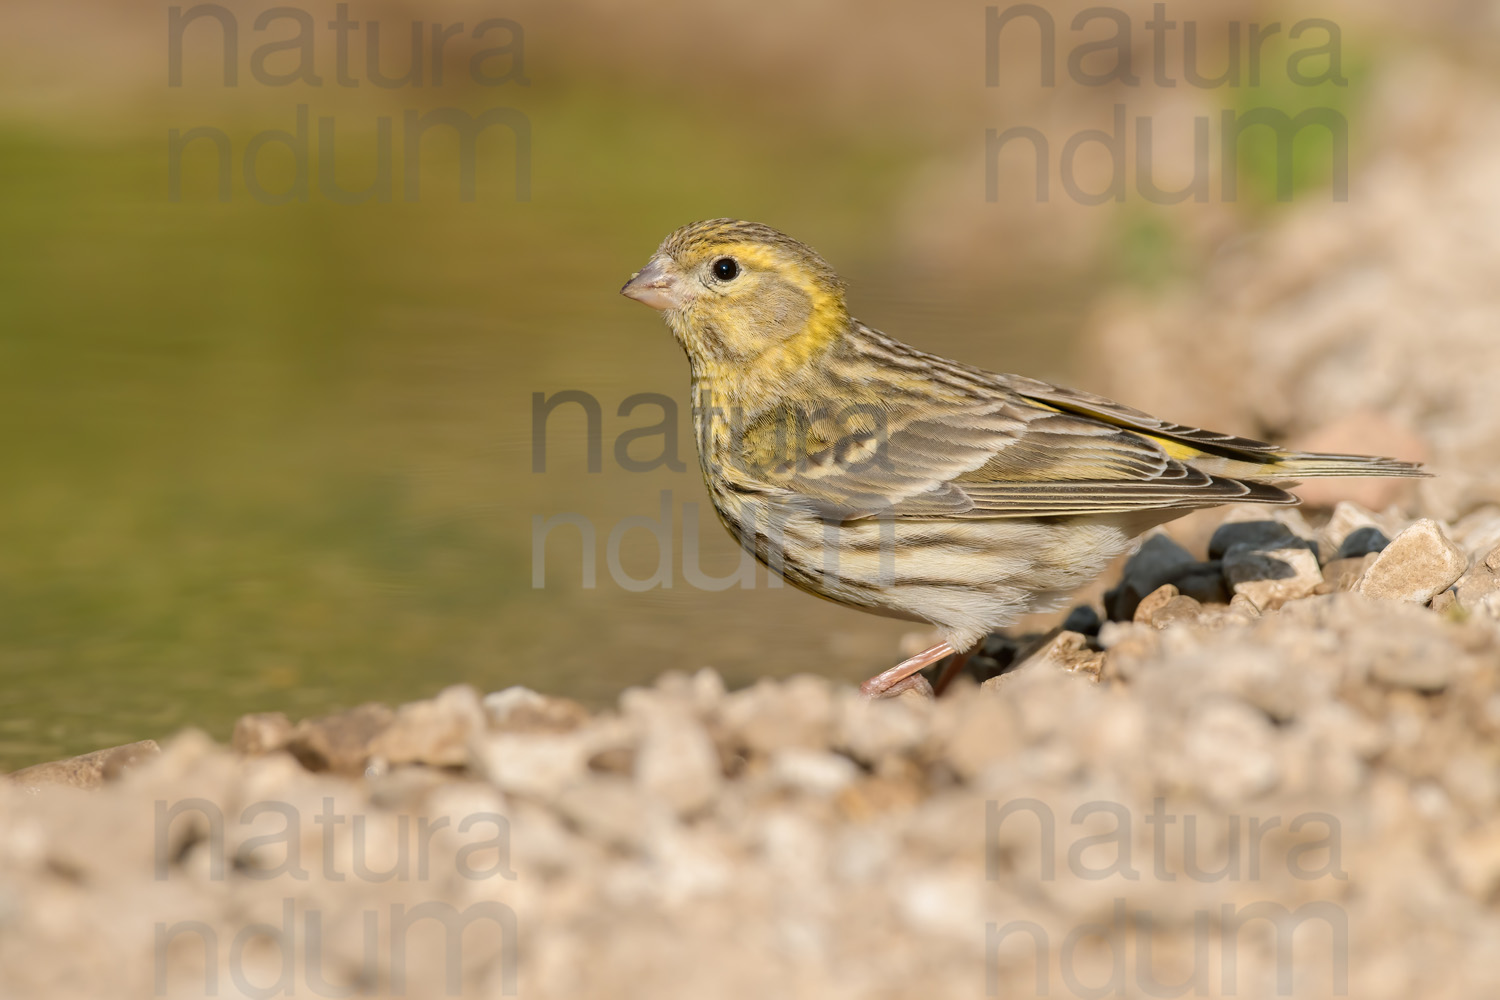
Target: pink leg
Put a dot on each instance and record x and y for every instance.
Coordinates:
(891, 682)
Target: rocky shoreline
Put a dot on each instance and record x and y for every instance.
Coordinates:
(1289, 739)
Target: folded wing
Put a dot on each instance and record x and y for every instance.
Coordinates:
(1008, 457)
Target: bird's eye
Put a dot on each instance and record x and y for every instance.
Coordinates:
(726, 269)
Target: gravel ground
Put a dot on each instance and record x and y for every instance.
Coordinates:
(1272, 769)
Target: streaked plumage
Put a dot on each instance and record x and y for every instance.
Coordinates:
(882, 477)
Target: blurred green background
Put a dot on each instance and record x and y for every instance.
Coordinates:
(279, 457)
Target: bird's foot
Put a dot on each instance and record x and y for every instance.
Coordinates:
(906, 675)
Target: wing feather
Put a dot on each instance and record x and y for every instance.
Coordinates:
(1007, 457)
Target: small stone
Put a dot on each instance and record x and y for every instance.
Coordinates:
(608, 809)
(261, 733)
(1180, 609)
(1067, 651)
(401, 788)
(522, 710)
(1128, 647)
(1345, 574)
(1154, 602)
(1245, 607)
(1477, 591)
(1419, 673)
(677, 763)
(706, 688)
(1362, 541)
(919, 694)
(1419, 564)
(1493, 559)
(1264, 536)
(435, 732)
(1346, 519)
(1270, 578)
(1155, 563)
(1083, 619)
(813, 772)
(1475, 858)
(613, 760)
(1230, 748)
(90, 770)
(339, 743)
(541, 765)
(771, 716)
(1204, 583)
(1478, 532)
(982, 730)
(870, 731)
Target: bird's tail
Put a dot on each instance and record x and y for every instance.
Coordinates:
(1255, 460)
(1310, 464)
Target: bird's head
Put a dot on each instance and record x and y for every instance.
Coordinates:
(735, 292)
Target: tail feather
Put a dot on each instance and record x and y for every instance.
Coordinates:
(1307, 465)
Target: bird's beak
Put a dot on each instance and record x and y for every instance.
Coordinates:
(653, 286)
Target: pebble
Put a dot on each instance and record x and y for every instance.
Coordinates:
(1154, 602)
(766, 717)
(1066, 651)
(1258, 535)
(1419, 563)
(339, 743)
(1418, 673)
(1084, 619)
(1475, 860)
(1181, 609)
(1204, 583)
(677, 762)
(436, 732)
(522, 710)
(535, 764)
(90, 770)
(1346, 519)
(1479, 533)
(608, 809)
(1477, 591)
(1362, 541)
(871, 731)
(1156, 562)
(1228, 749)
(1345, 574)
(261, 733)
(978, 731)
(813, 772)
(1244, 607)
(1165, 606)
(1271, 577)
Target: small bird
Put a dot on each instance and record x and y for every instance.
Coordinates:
(884, 478)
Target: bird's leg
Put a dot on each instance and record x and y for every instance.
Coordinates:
(892, 682)
(951, 670)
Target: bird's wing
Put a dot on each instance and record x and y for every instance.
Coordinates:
(1007, 456)
(1224, 455)
(1120, 415)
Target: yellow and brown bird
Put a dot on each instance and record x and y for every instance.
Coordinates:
(884, 478)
